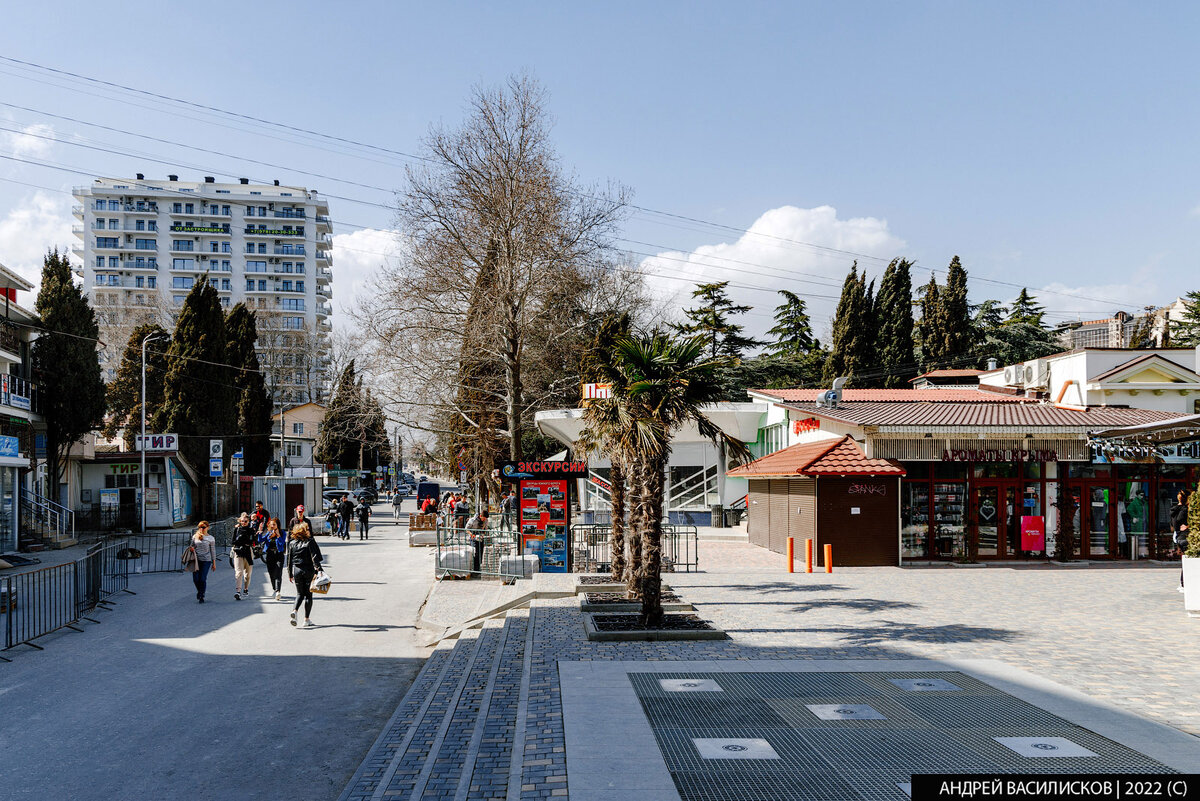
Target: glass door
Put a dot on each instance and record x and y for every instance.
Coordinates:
(988, 519)
(1133, 519)
(1099, 509)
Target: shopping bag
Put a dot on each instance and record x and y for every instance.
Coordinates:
(321, 583)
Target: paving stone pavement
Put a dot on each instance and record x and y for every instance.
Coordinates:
(493, 716)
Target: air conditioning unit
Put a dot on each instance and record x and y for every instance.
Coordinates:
(1014, 376)
(1037, 374)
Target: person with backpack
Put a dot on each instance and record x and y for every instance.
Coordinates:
(204, 556)
(364, 516)
(243, 556)
(303, 564)
(273, 546)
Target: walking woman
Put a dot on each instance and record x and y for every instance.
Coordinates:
(206, 558)
(1179, 528)
(303, 562)
(274, 553)
(243, 556)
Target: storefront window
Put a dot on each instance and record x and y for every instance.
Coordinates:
(1085, 470)
(1100, 509)
(956, 471)
(1133, 519)
(949, 519)
(692, 487)
(1032, 470)
(1024, 501)
(914, 519)
(995, 470)
(1169, 487)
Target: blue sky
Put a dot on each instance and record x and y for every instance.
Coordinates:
(1046, 144)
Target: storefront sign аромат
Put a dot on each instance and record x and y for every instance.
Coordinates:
(998, 455)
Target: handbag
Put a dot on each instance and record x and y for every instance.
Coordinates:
(321, 583)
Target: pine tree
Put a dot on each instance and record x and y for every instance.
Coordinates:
(793, 330)
(1185, 332)
(894, 326)
(956, 315)
(711, 319)
(930, 331)
(65, 364)
(1025, 309)
(125, 392)
(252, 400)
(198, 390)
(850, 352)
(337, 442)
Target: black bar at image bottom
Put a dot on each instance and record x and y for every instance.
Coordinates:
(930, 786)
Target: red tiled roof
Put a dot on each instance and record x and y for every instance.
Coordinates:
(897, 396)
(830, 457)
(1028, 415)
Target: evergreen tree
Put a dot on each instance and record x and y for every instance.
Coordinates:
(65, 364)
(125, 392)
(252, 400)
(338, 441)
(793, 330)
(198, 393)
(853, 339)
(1025, 309)
(1142, 334)
(711, 319)
(894, 326)
(930, 332)
(956, 315)
(1185, 332)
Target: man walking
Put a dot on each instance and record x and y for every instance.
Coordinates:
(364, 516)
(507, 507)
(347, 511)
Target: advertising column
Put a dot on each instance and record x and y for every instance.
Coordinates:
(544, 491)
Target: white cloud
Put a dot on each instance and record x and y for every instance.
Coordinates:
(29, 141)
(769, 257)
(357, 257)
(37, 224)
(1095, 301)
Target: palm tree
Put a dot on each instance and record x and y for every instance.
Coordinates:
(665, 384)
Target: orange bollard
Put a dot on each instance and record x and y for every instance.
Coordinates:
(828, 558)
(791, 554)
(808, 555)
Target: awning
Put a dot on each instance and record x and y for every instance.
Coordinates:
(1164, 432)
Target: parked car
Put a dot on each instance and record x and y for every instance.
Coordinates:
(422, 478)
(332, 496)
(365, 495)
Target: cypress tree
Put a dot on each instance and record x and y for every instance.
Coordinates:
(956, 314)
(125, 392)
(252, 401)
(930, 332)
(894, 325)
(793, 329)
(338, 441)
(711, 319)
(849, 354)
(198, 391)
(65, 364)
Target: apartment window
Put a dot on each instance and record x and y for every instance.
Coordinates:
(140, 281)
(182, 244)
(114, 205)
(182, 282)
(287, 286)
(262, 303)
(114, 225)
(152, 225)
(179, 299)
(299, 286)
(152, 263)
(225, 266)
(300, 268)
(101, 205)
(293, 449)
(262, 286)
(262, 247)
(183, 264)
(140, 225)
(114, 262)
(145, 244)
(249, 247)
(107, 242)
(99, 261)
(189, 208)
(249, 284)
(152, 282)
(177, 208)
(226, 247)
(256, 266)
(292, 304)
(214, 247)
(293, 323)
(224, 301)
(139, 300)
(225, 211)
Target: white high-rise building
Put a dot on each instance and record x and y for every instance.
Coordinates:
(146, 243)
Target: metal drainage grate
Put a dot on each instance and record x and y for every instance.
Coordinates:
(1044, 747)
(845, 712)
(690, 686)
(925, 685)
(733, 748)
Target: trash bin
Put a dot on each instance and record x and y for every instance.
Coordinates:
(718, 516)
(733, 517)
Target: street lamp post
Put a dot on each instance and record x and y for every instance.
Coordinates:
(147, 339)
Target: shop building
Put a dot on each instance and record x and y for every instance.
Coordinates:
(109, 489)
(982, 470)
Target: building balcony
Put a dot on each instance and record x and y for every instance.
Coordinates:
(289, 250)
(194, 213)
(20, 394)
(324, 291)
(141, 208)
(324, 310)
(187, 251)
(145, 264)
(77, 211)
(324, 325)
(324, 274)
(297, 214)
(324, 222)
(325, 256)
(10, 342)
(273, 233)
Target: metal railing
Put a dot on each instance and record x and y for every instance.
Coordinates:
(592, 545)
(462, 553)
(45, 518)
(42, 601)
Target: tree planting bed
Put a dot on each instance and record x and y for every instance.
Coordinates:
(617, 627)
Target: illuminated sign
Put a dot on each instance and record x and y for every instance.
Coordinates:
(272, 232)
(196, 229)
(998, 455)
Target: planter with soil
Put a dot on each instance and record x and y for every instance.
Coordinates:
(613, 602)
(600, 583)
(624, 627)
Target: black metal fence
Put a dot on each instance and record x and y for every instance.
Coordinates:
(592, 543)
(162, 551)
(109, 517)
(485, 553)
(42, 601)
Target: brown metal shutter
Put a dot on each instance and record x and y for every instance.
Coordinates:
(802, 511)
(779, 514)
(867, 538)
(758, 513)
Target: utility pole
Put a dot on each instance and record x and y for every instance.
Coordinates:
(148, 338)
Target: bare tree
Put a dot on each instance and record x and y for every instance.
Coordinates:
(501, 250)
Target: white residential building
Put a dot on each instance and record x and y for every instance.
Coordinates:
(144, 244)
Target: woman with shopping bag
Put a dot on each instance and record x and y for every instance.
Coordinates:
(303, 565)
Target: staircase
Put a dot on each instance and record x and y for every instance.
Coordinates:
(44, 523)
(457, 730)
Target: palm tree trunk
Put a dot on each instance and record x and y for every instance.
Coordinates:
(651, 579)
(617, 477)
(633, 570)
